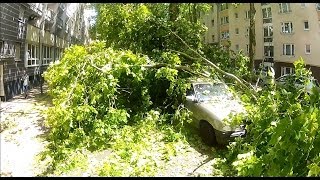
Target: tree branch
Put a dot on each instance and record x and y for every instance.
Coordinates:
(217, 68)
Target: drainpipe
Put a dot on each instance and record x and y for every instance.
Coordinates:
(40, 59)
(55, 43)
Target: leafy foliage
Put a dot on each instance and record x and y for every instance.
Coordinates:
(146, 28)
(141, 150)
(91, 104)
(96, 90)
(283, 136)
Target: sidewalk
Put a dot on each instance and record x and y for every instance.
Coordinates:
(21, 133)
(33, 93)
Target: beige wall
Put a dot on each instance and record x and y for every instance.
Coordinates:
(48, 38)
(299, 38)
(32, 34)
(241, 23)
(211, 30)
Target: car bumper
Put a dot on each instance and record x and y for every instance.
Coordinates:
(226, 137)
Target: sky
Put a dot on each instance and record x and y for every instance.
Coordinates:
(89, 13)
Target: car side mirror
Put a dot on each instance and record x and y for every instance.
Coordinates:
(191, 98)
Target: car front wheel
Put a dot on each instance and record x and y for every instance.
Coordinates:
(207, 133)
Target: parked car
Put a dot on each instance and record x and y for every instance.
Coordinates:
(298, 82)
(210, 104)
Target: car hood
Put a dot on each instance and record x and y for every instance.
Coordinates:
(222, 108)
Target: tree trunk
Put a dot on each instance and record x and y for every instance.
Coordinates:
(194, 13)
(218, 21)
(252, 40)
(173, 11)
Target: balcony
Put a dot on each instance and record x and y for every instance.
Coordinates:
(37, 8)
(49, 15)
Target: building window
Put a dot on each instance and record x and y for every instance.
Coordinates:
(287, 27)
(33, 55)
(59, 52)
(306, 25)
(225, 35)
(225, 20)
(21, 29)
(268, 51)
(212, 38)
(247, 14)
(223, 6)
(237, 47)
(284, 7)
(268, 33)
(247, 32)
(266, 12)
(1, 48)
(247, 48)
(17, 52)
(212, 22)
(47, 55)
(267, 15)
(7, 50)
(308, 49)
(286, 70)
(318, 6)
(288, 49)
(237, 30)
(236, 15)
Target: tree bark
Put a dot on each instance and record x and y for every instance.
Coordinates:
(194, 13)
(173, 11)
(252, 40)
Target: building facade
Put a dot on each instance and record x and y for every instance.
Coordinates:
(284, 32)
(32, 35)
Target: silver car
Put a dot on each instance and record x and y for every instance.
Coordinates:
(211, 104)
(298, 82)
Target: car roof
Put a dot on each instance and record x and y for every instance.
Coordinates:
(205, 81)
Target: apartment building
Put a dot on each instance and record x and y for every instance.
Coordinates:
(32, 35)
(284, 32)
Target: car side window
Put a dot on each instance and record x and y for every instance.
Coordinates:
(190, 91)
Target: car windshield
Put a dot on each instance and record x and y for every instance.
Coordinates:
(206, 92)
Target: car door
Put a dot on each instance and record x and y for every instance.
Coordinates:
(193, 106)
